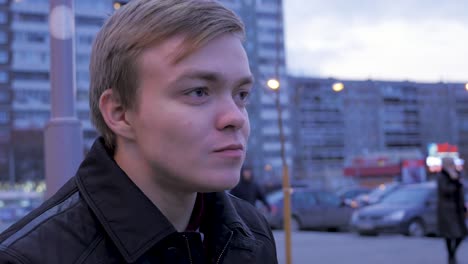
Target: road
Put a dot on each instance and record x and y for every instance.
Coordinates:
(324, 247)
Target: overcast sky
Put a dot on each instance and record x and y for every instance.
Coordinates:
(416, 40)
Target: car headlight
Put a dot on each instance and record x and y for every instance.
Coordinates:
(396, 216)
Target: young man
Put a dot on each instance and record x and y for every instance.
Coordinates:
(169, 85)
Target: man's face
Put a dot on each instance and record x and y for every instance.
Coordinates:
(190, 124)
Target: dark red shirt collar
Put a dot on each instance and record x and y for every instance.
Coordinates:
(197, 214)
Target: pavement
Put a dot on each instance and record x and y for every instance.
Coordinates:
(329, 247)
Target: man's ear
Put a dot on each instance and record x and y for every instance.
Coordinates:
(114, 114)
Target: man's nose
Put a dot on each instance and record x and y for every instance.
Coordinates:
(230, 115)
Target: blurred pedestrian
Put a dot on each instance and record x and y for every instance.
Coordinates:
(169, 85)
(451, 208)
(249, 190)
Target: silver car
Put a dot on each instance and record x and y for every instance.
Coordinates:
(311, 209)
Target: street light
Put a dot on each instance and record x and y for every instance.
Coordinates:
(466, 86)
(338, 87)
(274, 85)
(119, 3)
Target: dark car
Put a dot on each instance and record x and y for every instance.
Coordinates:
(349, 194)
(410, 210)
(375, 195)
(311, 209)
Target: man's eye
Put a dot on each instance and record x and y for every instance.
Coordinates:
(198, 92)
(244, 96)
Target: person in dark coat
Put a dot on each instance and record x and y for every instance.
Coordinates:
(169, 85)
(451, 208)
(249, 190)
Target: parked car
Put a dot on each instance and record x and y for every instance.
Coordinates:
(349, 194)
(375, 195)
(410, 210)
(310, 209)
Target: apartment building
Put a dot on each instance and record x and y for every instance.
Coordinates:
(372, 116)
(265, 47)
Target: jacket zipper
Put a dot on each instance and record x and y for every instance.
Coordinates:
(224, 249)
(188, 248)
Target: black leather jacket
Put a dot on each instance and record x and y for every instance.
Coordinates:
(100, 216)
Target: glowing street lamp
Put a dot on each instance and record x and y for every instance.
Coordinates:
(274, 85)
(119, 3)
(338, 87)
(466, 87)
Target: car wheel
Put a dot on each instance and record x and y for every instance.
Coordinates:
(416, 228)
(295, 225)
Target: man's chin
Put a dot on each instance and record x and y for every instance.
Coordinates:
(219, 185)
(216, 188)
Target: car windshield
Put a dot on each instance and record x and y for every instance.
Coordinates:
(381, 191)
(407, 196)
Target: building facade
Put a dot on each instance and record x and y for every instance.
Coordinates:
(30, 85)
(5, 91)
(265, 47)
(25, 102)
(369, 117)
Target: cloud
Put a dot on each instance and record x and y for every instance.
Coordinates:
(394, 41)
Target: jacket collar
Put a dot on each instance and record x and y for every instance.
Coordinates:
(130, 219)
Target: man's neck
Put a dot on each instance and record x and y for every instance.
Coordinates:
(176, 205)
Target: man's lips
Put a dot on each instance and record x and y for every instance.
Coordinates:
(230, 147)
(231, 151)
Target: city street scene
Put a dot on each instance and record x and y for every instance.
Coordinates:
(343, 124)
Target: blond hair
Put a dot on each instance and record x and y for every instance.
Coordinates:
(138, 26)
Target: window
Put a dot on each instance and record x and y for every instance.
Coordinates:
(89, 21)
(31, 76)
(33, 37)
(36, 37)
(25, 17)
(303, 199)
(82, 77)
(328, 199)
(3, 77)
(3, 18)
(4, 117)
(4, 96)
(31, 57)
(85, 40)
(3, 37)
(3, 56)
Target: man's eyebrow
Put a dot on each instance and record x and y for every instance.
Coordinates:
(213, 77)
(245, 81)
(204, 75)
